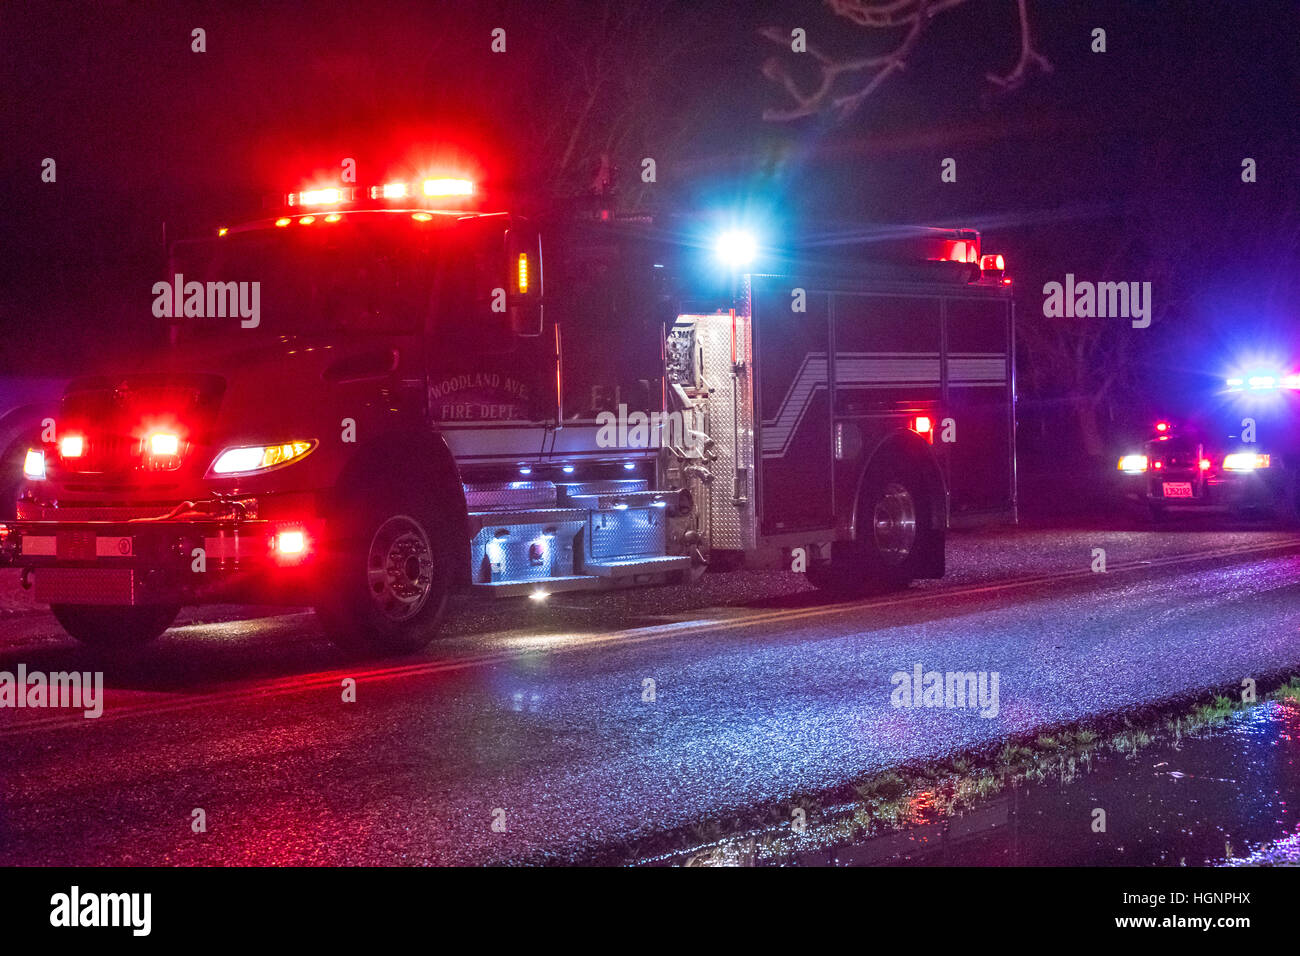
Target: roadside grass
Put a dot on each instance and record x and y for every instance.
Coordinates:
(909, 796)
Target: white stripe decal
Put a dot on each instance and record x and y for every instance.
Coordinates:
(871, 370)
(777, 433)
(978, 370)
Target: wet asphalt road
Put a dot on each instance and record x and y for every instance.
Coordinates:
(534, 718)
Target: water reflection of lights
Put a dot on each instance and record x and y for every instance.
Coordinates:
(529, 701)
(544, 642)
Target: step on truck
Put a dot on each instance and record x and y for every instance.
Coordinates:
(379, 398)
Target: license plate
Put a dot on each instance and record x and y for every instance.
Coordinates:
(1178, 489)
(76, 545)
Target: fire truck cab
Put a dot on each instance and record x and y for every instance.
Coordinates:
(374, 400)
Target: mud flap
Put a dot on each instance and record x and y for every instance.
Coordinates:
(935, 560)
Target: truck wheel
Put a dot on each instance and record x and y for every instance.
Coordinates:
(894, 536)
(894, 528)
(390, 583)
(111, 627)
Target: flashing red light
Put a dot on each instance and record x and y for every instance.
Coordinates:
(992, 263)
(448, 187)
(318, 197)
(72, 446)
(923, 425)
(1204, 464)
(289, 545)
(1158, 465)
(962, 252)
(1162, 426)
(164, 444)
(291, 542)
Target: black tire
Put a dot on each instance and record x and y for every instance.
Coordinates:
(114, 627)
(389, 576)
(894, 537)
(844, 575)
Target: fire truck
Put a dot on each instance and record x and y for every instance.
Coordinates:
(379, 398)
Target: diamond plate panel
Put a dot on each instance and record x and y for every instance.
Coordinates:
(100, 586)
(526, 553)
(509, 494)
(626, 534)
(732, 525)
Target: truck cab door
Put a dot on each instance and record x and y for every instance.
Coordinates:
(490, 358)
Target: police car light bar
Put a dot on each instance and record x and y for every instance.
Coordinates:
(1263, 382)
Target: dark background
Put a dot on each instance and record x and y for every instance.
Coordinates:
(1121, 166)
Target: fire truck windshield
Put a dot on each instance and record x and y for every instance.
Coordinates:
(358, 278)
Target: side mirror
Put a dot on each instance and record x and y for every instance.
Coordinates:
(524, 295)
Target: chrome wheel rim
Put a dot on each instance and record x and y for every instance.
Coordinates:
(400, 568)
(893, 522)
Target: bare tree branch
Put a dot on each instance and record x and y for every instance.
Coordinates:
(1028, 57)
(913, 16)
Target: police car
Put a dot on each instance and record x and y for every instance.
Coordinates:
(1242, 458)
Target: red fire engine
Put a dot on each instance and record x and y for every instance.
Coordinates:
(369, 401)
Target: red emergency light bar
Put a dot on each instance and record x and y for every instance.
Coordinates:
(966, 250)
(441, 188)
(328, 196)
(963, 250)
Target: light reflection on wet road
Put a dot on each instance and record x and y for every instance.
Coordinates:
(762, 693)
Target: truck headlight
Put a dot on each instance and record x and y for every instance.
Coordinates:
(34, 464)
(248, 459)
(1245, 461)
(1133, 464)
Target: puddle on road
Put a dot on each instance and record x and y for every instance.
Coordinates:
(1225, 793)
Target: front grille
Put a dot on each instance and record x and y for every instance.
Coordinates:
(115, 418)
(104, 453)
(94, 510)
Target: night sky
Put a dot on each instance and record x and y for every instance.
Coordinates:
(1123, 165)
